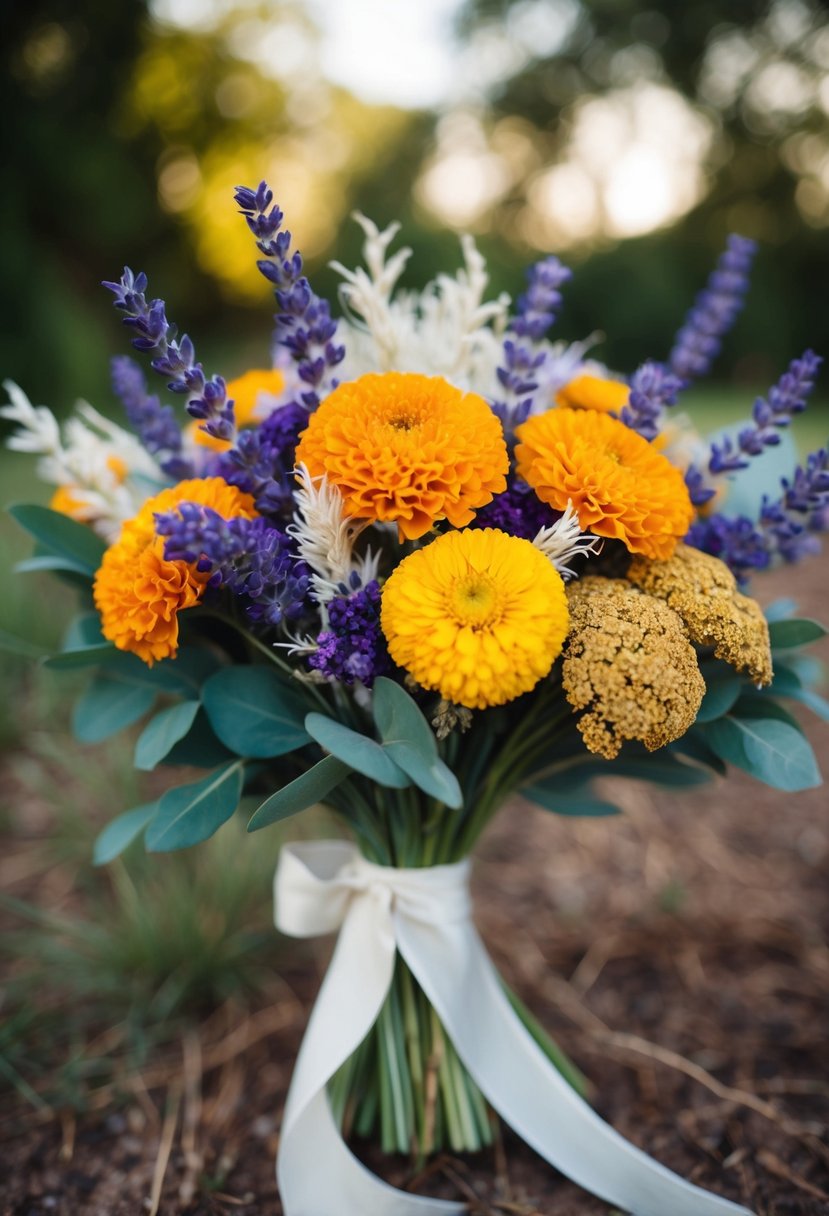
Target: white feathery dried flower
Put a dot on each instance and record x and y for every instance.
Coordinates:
(325, 537)
(564, 540)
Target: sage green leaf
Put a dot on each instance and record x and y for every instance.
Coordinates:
(162, 733)
(789, 634)
(662, 768)
(721, 691)
(190, 814)
(307, 790)
(771, 750)
(108, 704)
(199, 748)
(61, 535)
(410, 741)
(10, 643)
(50, 562)
(121, 832)
(356, 750)
(253, 712)
(693, 745)
(83, 644)
(552, 799)
(757, 705)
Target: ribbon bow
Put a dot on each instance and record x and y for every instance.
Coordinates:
(426, 915)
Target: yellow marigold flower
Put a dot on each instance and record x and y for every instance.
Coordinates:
(407, 448)
(703, 591)
(629, 665)
(245, 392)
(478, 616)
(618, 485)
(137, 591)
(594, 393)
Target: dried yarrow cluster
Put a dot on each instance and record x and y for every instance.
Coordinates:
(409, 488)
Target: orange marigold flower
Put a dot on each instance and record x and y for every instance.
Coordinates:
(408, 448)
(245, 392)
(594, 393)
(137, 591)
(618, 485)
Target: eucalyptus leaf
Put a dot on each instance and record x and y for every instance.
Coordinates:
(306, 790)
(792, 633)
(12, 644)
(50, 562)
(721, 691)
(189, 814)
(122, 831)
(253, 712)
(362, 754)
(771, 750)
(410, 741)
(107, 705)
(61, 535)
(199, 748)
(550, 798)
(693, 745)
(162, 732)
(756, 705)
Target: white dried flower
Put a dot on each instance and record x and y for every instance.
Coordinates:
(325, 537)
(564, 540)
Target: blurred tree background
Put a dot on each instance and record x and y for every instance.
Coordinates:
(629, 136)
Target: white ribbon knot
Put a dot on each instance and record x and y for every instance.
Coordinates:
(426, 915)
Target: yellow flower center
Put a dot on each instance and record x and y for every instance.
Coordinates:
(474, 600)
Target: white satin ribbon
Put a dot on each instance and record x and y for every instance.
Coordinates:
(426, 915)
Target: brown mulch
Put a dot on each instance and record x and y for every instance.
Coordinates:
(678, 954)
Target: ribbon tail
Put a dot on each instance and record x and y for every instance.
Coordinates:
(316, 1173)
(455, 971)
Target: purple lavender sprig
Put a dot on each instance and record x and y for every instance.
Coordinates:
(652, 388)
(535, 312)
(154, 424)
(715, 310)
(175, 358)
(787, 527)
(248, 557)
(770, 414)
(353, 647)
(263, 459)
(304, 325)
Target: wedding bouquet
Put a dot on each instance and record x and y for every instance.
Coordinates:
(424, 560)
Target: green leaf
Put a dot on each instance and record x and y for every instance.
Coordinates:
(306, 790)
(693, 745)
(199, 748)
(49, 561)
(189, 814)
(813, 701)
(253, 713)
(83, 645)
(358, 751)
(122, 831)
(108, 704)
(756, 705)
(721, 691)
(662, 769)
(409, 740)
(12, 644)
(163, 732)
(61, 535)
(772, 751)
(560, 803)
(789, 634)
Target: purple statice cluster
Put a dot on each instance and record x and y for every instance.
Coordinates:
(535, 312)
(304, 325)
(770, 414)
(787, 527)
(652, 388)
(175, 358)
(715, 310)
(353, 647)
(247, 557)
(262, 461)
(518, 511)
(154, 424)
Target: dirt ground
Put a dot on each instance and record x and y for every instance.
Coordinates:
(677, 953)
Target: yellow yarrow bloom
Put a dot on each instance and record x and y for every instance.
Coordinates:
(478, 616)
(618, 485)
(245, 392)
(407, 448)
(137, 591)
(594, 393)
